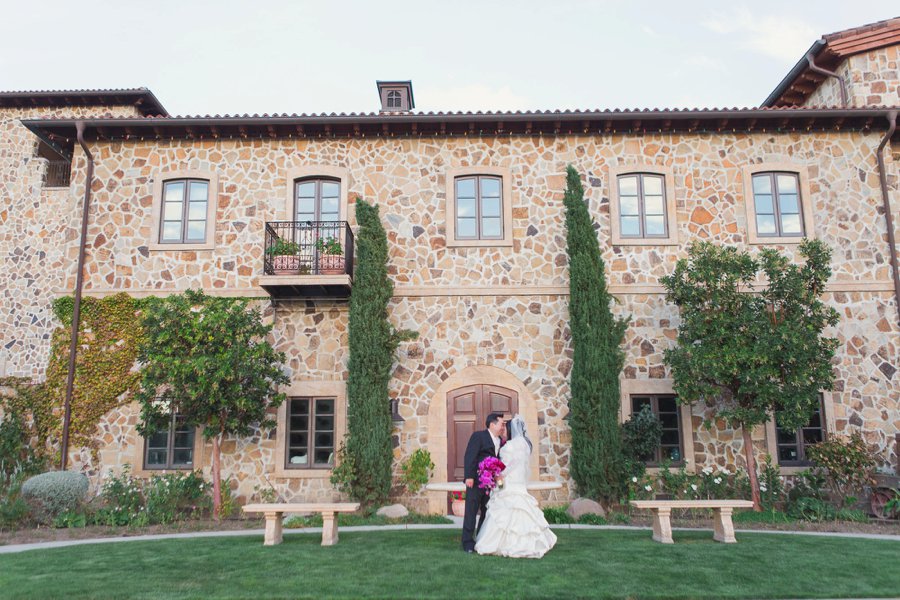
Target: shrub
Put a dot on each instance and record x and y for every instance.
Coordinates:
(811, 509)
(416, 470)
(771, 486)
(13, 508)
(557, 515)
(592, 519)
(123, 501)
(849, 464)
(175, 496)
(641, 435)
(56, 492)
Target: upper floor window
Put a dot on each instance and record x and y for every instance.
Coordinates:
(170, 448)
(310, 435)
(792, 445)
(776, 201)
(642, 206)
(479, 208)
(665, 407)
(394, 99)
(184, 211)
(317, 199)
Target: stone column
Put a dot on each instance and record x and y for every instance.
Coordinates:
(329, 529)
(724, 528)
(662, 525)
(274, 534)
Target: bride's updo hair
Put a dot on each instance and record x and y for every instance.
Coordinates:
(517, 429)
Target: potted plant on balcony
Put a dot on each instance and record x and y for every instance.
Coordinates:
(331, 256)
(285, 256)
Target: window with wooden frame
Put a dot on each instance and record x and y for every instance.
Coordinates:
(479, 207)
(310, 433)
(665, 407)
(792, 445)
(394, 99)
(317, 199)
(777, 204)
(184, 211)
(170, 448)
(642, 205)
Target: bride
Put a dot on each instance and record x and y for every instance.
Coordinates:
(515, 525)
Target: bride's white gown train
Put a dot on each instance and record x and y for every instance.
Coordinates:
(515, 525)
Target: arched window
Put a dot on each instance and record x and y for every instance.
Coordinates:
(479, 208)
(394, 99)
(776, 204)
(184, 211)
(642, 205)
(317, 199)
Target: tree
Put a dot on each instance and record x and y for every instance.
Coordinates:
(206, 359)
(751, 353)
(373, 341)
(597, 463)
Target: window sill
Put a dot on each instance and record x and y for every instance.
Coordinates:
(156, 247)
(667, 241)
(794, 469)
(283, 473)
(779, 241)
(505, 243)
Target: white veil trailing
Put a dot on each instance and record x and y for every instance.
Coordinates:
(517, 430)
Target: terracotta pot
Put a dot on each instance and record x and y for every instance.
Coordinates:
(331, 264)
(458, 507)
(286, 264)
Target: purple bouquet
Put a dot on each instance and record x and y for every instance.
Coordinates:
(489, 473)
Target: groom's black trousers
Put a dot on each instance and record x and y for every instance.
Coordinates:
(476, 505)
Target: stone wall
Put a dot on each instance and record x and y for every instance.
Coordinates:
(37, 228)
(498, 307)
(872, 79)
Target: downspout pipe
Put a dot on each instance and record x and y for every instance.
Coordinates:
(886, 202)
(79, 283)
(810, 58)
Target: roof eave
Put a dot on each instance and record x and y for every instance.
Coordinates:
(794, 73)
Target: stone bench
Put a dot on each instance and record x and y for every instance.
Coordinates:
(662, 511)
(459, 486)
(274, 514)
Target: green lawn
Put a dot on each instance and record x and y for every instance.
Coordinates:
(428, 563)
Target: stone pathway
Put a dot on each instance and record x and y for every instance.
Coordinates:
(457, 524)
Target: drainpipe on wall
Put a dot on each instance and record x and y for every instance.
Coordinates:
(817, 69)
(76, 311)
(886, 201)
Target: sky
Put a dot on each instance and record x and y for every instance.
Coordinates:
(267, 56)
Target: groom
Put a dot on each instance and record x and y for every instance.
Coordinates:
(481, 445)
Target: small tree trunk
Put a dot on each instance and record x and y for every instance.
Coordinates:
(217, 477)
(751, 468)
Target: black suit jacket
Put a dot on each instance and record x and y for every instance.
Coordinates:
(480, 446)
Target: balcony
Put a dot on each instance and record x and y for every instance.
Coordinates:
(307, 259)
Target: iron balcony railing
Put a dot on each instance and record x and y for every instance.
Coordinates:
(308, 248)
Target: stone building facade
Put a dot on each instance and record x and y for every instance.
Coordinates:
(491, 315)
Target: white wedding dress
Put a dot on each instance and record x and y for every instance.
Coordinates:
(515, 525)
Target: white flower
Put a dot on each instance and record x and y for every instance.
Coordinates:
(762, 487)
(694, 486)
(634, 480)
(707, 470)
(648, 487)
(717, 480)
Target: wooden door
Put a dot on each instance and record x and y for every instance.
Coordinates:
(467, 408)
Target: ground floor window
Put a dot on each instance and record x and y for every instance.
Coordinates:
(665, 407)
(310, 433)
(792, 445)
(172, 447)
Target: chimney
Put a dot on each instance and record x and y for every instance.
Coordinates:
(396, 96)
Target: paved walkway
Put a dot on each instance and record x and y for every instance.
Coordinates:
(457, 524)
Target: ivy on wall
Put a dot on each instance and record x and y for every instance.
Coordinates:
(105, 371)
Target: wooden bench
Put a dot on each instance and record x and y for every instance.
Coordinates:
(275, 513)
(662, 511)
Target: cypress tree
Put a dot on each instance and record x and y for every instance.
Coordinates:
(373, 342)
(597, 463)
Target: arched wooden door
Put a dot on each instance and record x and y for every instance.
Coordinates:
(467, 408)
